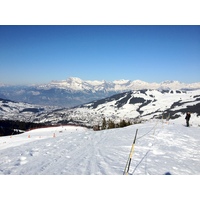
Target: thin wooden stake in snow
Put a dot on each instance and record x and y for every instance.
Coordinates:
(126, 170)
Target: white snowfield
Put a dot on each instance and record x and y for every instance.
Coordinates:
(161, 148)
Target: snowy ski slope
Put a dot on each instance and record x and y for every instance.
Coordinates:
(161, 148)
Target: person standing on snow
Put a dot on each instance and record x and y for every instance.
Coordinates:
(188, 115)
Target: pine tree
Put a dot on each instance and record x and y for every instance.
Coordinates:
(122, 123)
(128, 123)
(103, 124)
(111, 124)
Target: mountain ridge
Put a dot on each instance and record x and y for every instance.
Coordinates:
(132, 106)
(75, 91)
(74, 83)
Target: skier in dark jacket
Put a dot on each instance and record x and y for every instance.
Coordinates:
(187, 118)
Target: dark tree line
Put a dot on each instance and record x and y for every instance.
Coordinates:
(109, 124)
(9, 127)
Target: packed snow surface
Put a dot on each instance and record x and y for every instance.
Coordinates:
(161, 148)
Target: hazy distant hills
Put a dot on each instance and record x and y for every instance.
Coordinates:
(74, 91)
(21, 111)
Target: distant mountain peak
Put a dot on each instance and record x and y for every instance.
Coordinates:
(122, 81)
(170, 82)
(74, 79)
(139, 82)
(77, 84)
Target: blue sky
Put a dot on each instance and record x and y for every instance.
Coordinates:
(40, 54)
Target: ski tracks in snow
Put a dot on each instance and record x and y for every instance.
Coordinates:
(91, 156)
(160, 148)
(77, 152)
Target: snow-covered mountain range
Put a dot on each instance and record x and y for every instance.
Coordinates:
(77, 84)
(74, 91)
(132, 106)
(122, 99)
